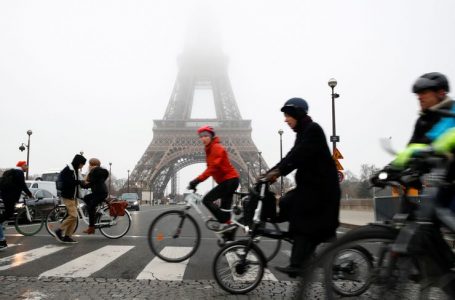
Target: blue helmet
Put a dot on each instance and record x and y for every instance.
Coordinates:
(295, 107)
(431, 81)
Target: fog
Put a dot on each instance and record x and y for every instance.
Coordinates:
(93, 75)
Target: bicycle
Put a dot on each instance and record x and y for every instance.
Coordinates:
(178, 228)
(112, 227)
(413, 260)
(239, 266)
(29, 219)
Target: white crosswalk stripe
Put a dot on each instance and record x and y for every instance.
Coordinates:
(89, 263)
(27, 256)
(158, 269)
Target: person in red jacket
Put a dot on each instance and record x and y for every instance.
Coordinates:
(222, 171)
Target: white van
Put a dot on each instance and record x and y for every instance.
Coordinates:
(49, 186)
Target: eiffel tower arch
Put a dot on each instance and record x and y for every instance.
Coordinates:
(175, 144)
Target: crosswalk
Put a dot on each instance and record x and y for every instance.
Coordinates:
(93, 262)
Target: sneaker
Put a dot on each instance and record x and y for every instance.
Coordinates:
(3, 245)
(58, 235)
(68, 240)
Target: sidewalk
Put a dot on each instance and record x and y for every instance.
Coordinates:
(354, 218)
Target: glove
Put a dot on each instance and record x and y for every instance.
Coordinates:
(193, 183)
(272, 175)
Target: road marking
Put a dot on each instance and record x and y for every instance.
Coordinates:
(89, 263)
(158, 269)
(27, 256)
(232, 258)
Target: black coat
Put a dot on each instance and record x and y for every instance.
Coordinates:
(316, 198)
(11, 191)
(97, 181)
(69, 181)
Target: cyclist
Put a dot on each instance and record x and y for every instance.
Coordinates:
(12, 184)
(225, 175)
(311, 208)
(96, 181)
(431, 90)
(69, 180)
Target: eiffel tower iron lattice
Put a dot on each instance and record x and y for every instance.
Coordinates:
(175, 144)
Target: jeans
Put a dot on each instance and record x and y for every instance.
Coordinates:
(225, 190)
(7, 213)
(92, 201)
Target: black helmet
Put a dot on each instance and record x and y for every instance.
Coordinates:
(295, 107)
(431, 81)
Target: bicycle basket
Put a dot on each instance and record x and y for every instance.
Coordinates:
(250, 204)
(117, 208)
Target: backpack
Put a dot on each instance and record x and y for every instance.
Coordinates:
(59, 182)
(7, 180)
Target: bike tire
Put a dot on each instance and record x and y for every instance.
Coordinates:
(29, 227)
(369, 235)
(229, 270)
(55, 218)
(159, 236)
(121, 226)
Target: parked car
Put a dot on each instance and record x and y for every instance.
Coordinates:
(49, 186)
(43, 199)
(132, 199)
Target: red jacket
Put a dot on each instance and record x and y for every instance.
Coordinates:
(218, 164)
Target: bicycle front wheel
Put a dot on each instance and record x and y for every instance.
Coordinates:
(113, 227)
(56, 217)
(238, 268)
(174, 236)
(29, 223)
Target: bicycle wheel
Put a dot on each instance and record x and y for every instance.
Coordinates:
(238, 270)
(351, 266)
(113, 227)
(55, 218)
(174, 236)
(29, 224)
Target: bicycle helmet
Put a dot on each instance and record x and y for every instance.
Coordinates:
(295, 107)
(206, 128)
(431, 81)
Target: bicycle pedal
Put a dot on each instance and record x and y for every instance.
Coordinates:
(213, 225)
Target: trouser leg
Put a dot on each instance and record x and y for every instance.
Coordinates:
(69, 224)
(302, 249)
(224, 190)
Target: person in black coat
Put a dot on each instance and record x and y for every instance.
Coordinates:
(68, 183)
(312, 208)
(96, 181)
(13, 183)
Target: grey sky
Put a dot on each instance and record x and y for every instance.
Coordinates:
(92, 75)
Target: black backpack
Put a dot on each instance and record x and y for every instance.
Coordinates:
(7, 180)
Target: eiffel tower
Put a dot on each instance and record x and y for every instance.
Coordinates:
(175, 144)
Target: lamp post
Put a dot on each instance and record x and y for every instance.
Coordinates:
(22, 148)
(128, 189)
(280, 132)
(334, 138)
(110, 175)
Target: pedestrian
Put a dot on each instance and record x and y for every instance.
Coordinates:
(312, 207)
(11, 185)
(96, 181)
(68, 182)
(224, 174)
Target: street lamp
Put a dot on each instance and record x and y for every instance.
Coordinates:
(280, 132)
(128, 190)
(22, 148)
(110, 175)
(334, 138)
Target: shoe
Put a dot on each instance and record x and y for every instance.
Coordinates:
(68, 240)
(228, 236)
(291, 271)
(3, 245)
(90, 230)
(58, 235)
